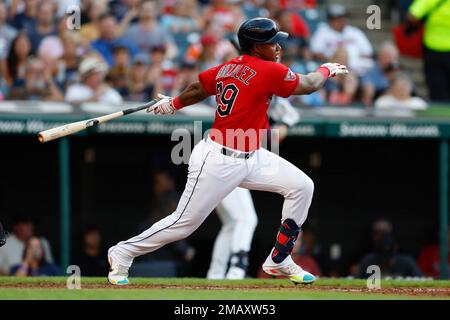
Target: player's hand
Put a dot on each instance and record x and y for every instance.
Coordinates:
(163, 106)
(335, 68)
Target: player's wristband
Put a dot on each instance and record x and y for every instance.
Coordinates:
(176, 102)
(324, 71)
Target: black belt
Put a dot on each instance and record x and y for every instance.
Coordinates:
(236, 154)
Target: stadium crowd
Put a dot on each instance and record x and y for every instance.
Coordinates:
(130, 50)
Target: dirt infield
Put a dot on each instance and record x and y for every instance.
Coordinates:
(403, 291)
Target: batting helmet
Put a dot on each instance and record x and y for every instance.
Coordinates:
(259, 31)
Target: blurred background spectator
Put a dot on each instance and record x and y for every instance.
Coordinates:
(38, 84)
(25, 20)
(376, 80)
(7, 32)
(34, 263)
(385, 255)
(147, 33)
(45, 25)
(92, 257)
(399, 95)
(337, 33)
(342, 90)
(92, 86)
(17, 59)
(108, 39)
(11, 254)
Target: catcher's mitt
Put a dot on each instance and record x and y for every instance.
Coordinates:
(3, 235)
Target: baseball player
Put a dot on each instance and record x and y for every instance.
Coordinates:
(237, 212)
(231, 155)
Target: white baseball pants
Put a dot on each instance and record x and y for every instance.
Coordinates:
(211, 177)
(238, 216)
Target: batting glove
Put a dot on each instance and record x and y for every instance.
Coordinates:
(335, 68)
(163, 106)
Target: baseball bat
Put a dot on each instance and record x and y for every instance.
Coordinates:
(70, 128)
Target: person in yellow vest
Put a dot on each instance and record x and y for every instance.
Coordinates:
(436, 16)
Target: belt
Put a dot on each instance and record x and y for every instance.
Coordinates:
(230, 152)
(236, 154)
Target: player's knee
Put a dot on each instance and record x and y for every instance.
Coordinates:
(308, 188)
(304, 187)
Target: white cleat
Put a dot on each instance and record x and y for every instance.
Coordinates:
(118, 274)
(288, 268)
(235, 273)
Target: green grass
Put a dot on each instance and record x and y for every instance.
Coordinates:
(202, 289)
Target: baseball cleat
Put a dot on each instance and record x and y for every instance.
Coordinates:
(118, 274)
(235, 273)
(288, 268)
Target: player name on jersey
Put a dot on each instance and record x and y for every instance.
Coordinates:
(237, 71)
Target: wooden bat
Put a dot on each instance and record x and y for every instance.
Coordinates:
(70, 128)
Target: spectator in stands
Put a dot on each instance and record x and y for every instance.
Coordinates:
(183, 19)
(187, 74)
(17, 58)
(222, 16)
(61, 53)
(436, 42)
(34, 263)
(89, 31)
(7, 33)
(342, 90)
(429, 259)
(399, 95)
(44, 26)
(119, 74)
(385, 255)
(147, 33)
(108, 39)
(336, 34)
(155, 69)
(211, 50)
(93, 87)
(137, 87)
(92, 258)
(65, 63)
(38, 84)
(298, 31)
(303, 254)
(208, 55)
(11, 253)
(391, 263)
(25, 20)
(120, 8)
(376, 80)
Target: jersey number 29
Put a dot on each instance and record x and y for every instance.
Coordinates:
(225, 98)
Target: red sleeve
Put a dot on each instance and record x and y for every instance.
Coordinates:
(284, 81)
(207, 79)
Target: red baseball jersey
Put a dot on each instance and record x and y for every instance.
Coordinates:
(243, 88)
